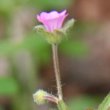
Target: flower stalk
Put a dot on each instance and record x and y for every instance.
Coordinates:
(61, 105)
(57, 70)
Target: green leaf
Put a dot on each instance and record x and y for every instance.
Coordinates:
(8, 86)
(105, 105)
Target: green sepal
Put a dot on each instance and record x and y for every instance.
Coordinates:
(40, 28)
(57, 35)
(68, 25)
(52, 37)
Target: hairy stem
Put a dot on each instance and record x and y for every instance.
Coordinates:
(57, 70)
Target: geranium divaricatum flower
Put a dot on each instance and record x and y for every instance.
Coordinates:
(52, 20)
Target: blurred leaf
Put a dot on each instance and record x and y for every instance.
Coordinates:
(105, 105)
(8, 86)
(6, 5)
(51, 3)
(32, 42)
(1, 108)
(39, 46)
(73, 48)
(84, 102)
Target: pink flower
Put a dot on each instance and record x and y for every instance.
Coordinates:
(52, 20)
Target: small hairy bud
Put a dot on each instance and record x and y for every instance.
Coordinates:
(40, 97)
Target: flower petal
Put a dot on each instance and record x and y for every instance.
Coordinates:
(52, 20)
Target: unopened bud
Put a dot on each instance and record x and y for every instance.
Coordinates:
(40, 97)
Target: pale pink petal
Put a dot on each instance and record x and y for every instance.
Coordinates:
(63, 12)
(38, 18)
(61, 20)
(52, 20)
(50, 25)
(52, 15)
(43, 15)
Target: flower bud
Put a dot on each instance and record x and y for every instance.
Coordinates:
(40, 97)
